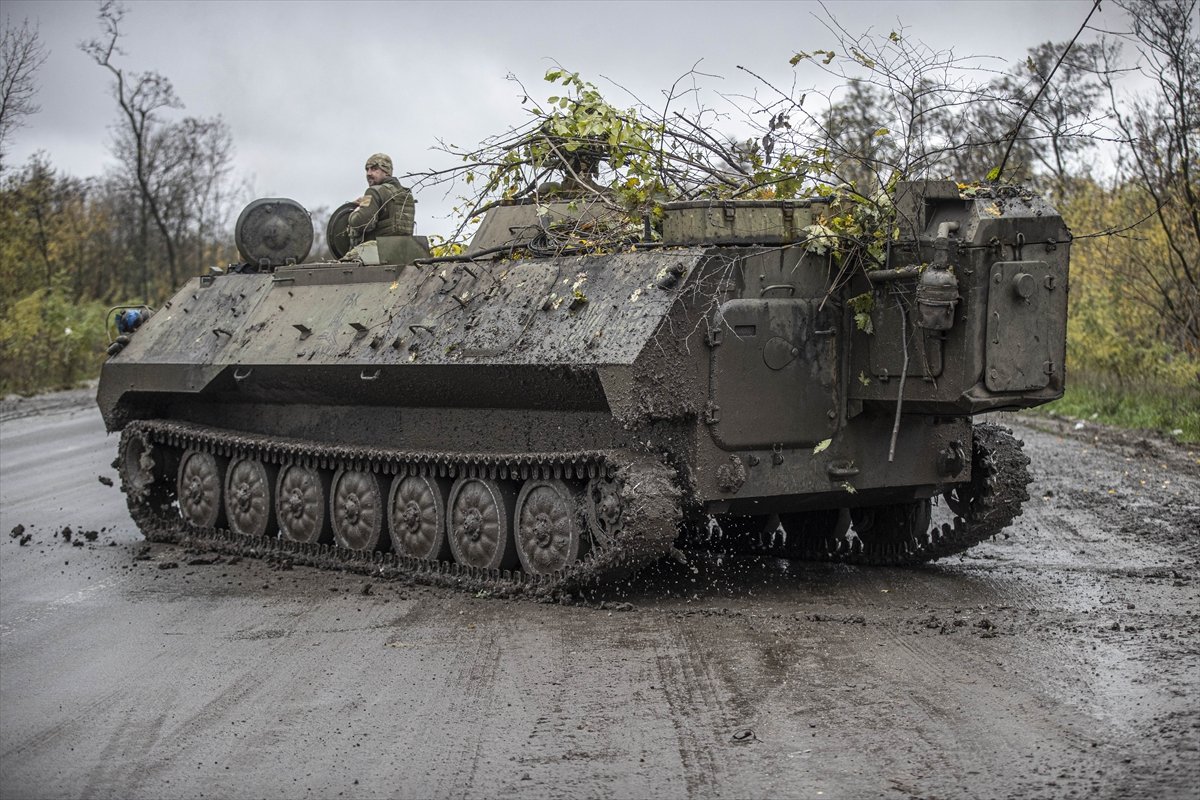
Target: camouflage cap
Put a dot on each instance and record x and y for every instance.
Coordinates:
(381, 160)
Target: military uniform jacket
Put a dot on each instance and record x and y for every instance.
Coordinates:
(388, 210)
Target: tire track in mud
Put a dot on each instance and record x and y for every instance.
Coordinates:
(149, 729)
(548, 731)
(64, 729)
(135, 739)
(979, 718)
(553, 736)
(934, 715)
(478, 680)
(751, 676)
(1020, 704)
(593, 711)
(700, 710)
(1005, 697)
(1136, 491)
(564, 715)
(464, 693)
(946, 716)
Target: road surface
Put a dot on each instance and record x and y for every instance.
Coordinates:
(1061, 661)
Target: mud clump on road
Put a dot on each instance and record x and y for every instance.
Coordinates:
(72, 536)
(76, 537)
(18, 533)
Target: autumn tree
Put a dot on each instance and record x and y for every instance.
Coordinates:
(51, 332)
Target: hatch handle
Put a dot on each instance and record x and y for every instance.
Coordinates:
(842, 470)
(791, 289)
(369, 376)
(240, 375)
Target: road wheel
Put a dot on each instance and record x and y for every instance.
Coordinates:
(357, 508)
(478, 524)
(248, 505)
(300, 494)
(416, 517)
(199, 489)
(547, 532)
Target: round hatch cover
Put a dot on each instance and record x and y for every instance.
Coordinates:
(274, 230)
(337, 232)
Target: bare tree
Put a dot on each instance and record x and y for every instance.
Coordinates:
(855, 126)
(1051, 147)
(180, 171)
(208, 188)
(1070, 118)
(193, 159)
(21, 54)
(1163, 157)
(141, 97)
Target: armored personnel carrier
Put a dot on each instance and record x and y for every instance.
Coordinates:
(535, 417)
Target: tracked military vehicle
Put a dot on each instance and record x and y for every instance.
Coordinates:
(535, 417)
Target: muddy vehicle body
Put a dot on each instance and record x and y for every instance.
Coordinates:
(524, 420)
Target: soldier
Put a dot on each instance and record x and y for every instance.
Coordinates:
(387, 208)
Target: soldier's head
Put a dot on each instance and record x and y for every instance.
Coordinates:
(379, 169)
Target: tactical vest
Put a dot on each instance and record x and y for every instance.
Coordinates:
(397, 213)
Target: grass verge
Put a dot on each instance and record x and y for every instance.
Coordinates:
(1172, 411)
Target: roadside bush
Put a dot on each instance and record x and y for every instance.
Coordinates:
(48, 341)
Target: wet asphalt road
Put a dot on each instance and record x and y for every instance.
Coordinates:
(1063, 661)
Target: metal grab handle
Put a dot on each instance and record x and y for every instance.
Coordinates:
(791, 289)
(240, 376)
(842, 471)
(364, 376)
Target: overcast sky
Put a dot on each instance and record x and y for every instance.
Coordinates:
(309, 89)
